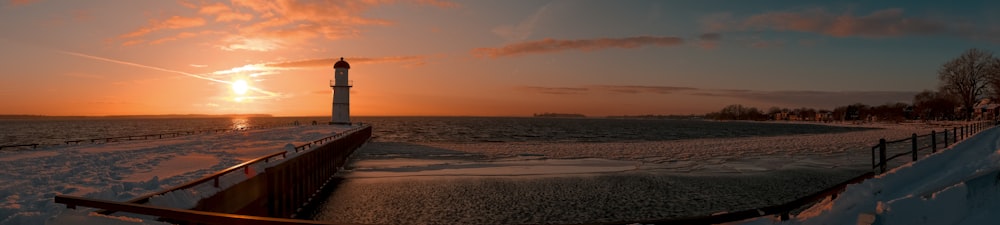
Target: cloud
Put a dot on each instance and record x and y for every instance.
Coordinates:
(767, 44)
(882, 23)
(266, 25)
(709, 40)
(266, 94)
(885, 23)
(21, 2)
(618, 89)
(549, 45)
(554, 90)
(328, 62)
(223, 13)
(175, 22)
(522, 30)
(267, 68)
(182, 35)
(287, 23)
(636, 89)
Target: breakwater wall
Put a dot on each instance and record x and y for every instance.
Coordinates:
(284, 188)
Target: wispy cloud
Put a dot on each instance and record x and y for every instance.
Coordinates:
(767, 44)
(223, 13)
(174, 22)
(549, 45)
(636, 89)
(267, 94)
(266, 25)
(618, 89)
(709, 40)
(554, 90)
(882, 23)
(327, 62)
(522, 30)
(891, 22)
(259, 69)
(21, 2)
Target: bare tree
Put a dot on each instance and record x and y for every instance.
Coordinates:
(967, 77)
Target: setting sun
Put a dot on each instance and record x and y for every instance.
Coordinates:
(240, 87)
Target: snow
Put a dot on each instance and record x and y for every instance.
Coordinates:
(960, 185)
(713, 155)
(123, 170)
(956, 186)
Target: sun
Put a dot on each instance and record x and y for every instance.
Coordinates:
(240, 87)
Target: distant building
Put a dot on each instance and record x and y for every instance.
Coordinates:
(986, 109)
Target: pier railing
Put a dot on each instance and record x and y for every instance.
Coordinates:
(885, 151)
(283, 189)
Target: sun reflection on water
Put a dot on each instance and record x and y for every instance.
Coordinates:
(240, 123)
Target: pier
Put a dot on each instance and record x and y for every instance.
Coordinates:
(267, 190)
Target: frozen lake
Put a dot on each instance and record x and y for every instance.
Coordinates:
(579, 182)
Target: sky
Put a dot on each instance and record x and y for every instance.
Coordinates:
(476, 58)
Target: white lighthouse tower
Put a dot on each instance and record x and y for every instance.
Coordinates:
(341, 93)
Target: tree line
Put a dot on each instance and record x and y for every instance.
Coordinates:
(964, 83)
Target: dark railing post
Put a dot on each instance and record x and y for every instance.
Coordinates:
(914, 146)
(881, 154)
(933, 141)
(945, 138)
(954, 134)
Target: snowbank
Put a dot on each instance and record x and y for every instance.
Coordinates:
(960, 185)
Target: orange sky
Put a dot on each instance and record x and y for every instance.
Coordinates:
(490, 58)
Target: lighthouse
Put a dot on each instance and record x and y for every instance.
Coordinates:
(341, 93)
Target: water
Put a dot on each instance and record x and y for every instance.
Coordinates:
(56, 130)
(406, 177)
(492, 129)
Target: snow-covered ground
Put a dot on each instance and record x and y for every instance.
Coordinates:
(532, 182)
(123, 170)
(960, 185)
(836, 150)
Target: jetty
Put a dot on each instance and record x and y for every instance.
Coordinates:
(270, 189)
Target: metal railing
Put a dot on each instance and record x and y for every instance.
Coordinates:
(915, 144)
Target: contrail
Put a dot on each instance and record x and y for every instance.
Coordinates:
(272, 94)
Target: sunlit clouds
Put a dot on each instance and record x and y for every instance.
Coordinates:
(265, 25)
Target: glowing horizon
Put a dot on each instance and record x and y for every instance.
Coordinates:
(475, 58)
